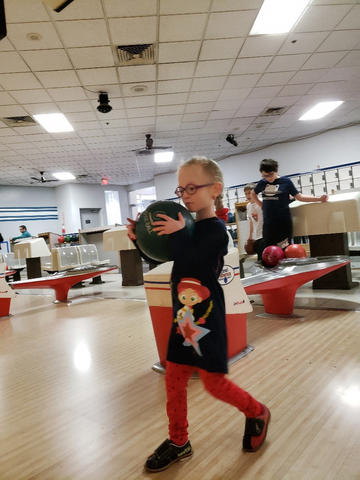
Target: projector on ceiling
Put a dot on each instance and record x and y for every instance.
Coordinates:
(57, 5)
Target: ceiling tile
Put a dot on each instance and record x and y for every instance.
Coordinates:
(170, 86)
(341, 40)
(91, 57)
(64, 78)
(211, 83)
(221, 49)
(223, 5)
(234, 95)
(195, 97)
(307, 76)
(35, 108)
(352, 19)
(250, 65)
(199, 107)
(19, 81)
(302, 42)
(139, 73)
(300, 89)
(352, 59)
(242, 81)
(275, 78)
(261, 46)
(79, 9)
(323, 60)
(210, 68)
(179, 51)
(18, 35)
(66, 94)
(220, 114)
(25, 11)
(81, 116)
(168, 71)
(344, 73)
(129, 8)
(141, 112)
(181, 27)
(11, 62)
(12, 111)
(93, 76)
(264, 92)
(5, 99)
(170, 109)
(327, 88)
(31, 96)
(144, 101)
(321, 18)
(5, 45)
(130, 31)
(83, 33)
(169, 7)
(40, 60)
(284, 63)
(230, 24)
(75, 106)
(172, 99)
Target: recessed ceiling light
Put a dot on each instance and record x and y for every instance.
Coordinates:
(163, 157)
(320, 110)
(64, 176)
(139, 88)
(54, 122)
(278, 16)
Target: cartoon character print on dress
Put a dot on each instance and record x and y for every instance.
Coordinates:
(192, 292)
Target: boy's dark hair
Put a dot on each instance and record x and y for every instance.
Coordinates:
(268, 165)
(23, 226)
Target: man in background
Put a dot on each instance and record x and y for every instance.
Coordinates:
(24, 234)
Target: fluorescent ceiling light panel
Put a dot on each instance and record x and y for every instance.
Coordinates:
(278, 16)
(163, 157)
(64, 176)
(320, 110)
(54, 122)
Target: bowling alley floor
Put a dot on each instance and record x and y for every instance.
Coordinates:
(79, 400)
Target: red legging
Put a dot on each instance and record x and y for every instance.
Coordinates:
(177, 377)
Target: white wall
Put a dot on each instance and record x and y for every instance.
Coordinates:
(326, 150)
(27, 197)
(72, 197)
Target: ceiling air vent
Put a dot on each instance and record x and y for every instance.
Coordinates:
(136, 54)
(272, 111)
(19, 121)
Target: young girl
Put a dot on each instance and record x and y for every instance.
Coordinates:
(198, 340)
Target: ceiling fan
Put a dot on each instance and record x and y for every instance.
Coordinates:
(42, 179)
(150, 148)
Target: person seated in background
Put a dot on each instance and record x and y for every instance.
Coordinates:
(24, 234)
(255, 216)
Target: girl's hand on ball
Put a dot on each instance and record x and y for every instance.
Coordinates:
(324, 198)
(168, 225)
(131, 228)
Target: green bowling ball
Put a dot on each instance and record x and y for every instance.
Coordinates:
(150, 243)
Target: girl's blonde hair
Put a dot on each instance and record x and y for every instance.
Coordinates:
(212, 169)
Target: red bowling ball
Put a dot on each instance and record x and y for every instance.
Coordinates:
(272, 255)
(295, 251)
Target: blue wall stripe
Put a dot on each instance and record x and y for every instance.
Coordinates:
(26, 219)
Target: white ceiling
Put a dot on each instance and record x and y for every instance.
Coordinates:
(209, 79)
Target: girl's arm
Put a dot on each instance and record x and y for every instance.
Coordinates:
(311, 198)
(251, 228)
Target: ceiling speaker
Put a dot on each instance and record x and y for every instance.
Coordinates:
(57, 5)
(2, 20)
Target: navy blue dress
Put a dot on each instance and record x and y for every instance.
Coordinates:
(198, 335)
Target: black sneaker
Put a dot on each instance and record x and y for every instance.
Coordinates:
(166, 454)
